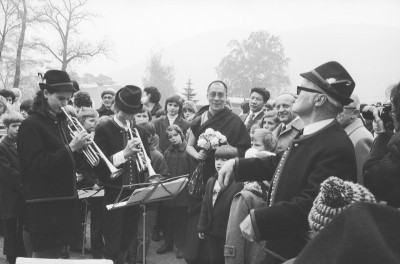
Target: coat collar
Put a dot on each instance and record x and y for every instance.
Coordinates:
(353, 126)
(182, 147)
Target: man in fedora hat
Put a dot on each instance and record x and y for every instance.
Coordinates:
(323, 149)
(49, 156)
(114, 139)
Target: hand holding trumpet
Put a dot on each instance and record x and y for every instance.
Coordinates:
(81, 140)
(132, 148)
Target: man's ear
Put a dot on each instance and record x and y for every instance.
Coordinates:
(320, 99)
(355, 115)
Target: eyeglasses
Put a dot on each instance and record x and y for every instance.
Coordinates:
(301, 88)
(108, 97)
(213, 94)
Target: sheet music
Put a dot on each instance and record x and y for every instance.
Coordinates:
(83, 194)
(173, 187)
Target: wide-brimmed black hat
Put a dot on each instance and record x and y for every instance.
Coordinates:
(128, 99)
(334, 80)
(57, 81)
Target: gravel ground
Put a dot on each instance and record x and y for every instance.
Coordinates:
(152, 256)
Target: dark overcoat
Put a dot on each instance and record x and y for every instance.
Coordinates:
(256, 120)
(12, 202)
(296, 175)
(47, 162)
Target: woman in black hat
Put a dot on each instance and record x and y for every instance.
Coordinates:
(113, 138)
(48, 157)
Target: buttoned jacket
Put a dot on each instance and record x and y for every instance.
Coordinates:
(296, 175)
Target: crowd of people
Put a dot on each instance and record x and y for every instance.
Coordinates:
(292, 176)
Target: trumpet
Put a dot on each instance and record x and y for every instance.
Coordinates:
(142, 164)
(92, 152)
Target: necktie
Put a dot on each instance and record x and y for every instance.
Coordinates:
(283, 128)
(251, 117)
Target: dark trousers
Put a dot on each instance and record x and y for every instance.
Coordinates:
(120, 228)
(161, 218)
(211, 251)
(96, 222)
(176, 226)
(13, 243)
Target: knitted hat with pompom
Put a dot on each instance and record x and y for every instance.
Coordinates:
(335, 195)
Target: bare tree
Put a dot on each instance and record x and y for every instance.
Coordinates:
(9, 22)
(65, 17)
(22, 14)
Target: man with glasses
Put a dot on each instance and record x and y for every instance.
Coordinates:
(295, 175)
(290, 123)
(359, 135)
(220, 118)
(108, 100)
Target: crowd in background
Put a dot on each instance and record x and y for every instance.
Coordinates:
(207, 229)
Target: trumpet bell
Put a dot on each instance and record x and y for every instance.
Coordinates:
(156, 178)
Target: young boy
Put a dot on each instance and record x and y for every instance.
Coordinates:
(86, 178)
(215, 211)
(12, 202)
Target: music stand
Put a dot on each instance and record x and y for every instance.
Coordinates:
(84, 194)
(154, 192)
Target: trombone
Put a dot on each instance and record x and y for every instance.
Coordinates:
(142, 164)
(92, 152)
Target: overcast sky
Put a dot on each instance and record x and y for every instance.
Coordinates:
(137, 27)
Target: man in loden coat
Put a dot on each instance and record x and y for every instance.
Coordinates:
(359, 135)
(321, 151)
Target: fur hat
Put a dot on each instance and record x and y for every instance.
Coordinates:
(57, 80)
(334, 81)
(128, 99)
(336, 195)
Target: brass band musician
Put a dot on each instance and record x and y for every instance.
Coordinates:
(115, 138)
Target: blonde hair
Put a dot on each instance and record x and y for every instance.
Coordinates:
(268, 139)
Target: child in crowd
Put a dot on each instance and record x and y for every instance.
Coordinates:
(173, 107)
(143, 116)
(179, 163)
(189, 110)
(86, 178)
(26, 107)
(263, 143)
(215, 211)
(269, 121)
(12, 202)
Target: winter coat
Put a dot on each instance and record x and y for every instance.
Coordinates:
(179, 163)
(47, 163)
(362, 141)
(285, 137)
(12, 202)
(238, 250)
(214, 219)
(382, 169)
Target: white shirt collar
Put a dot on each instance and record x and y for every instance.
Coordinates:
(119, 123)
(314, 127)
(172, 120)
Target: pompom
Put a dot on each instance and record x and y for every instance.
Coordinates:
(336, 192)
